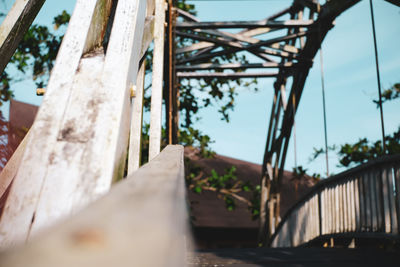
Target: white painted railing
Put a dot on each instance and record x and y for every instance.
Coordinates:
(93, 105)
(363, 200)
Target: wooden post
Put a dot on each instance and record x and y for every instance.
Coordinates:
(135, 140)
(157, 80)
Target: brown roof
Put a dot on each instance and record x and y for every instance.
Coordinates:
(22, 114)
(208, 209)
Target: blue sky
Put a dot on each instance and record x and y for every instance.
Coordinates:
(350, 83)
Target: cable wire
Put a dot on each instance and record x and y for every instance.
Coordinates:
(378, 76)
(324, 107)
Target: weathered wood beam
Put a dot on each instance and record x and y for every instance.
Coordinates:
(14, 27)
(148, 35)
(135, 139)
(243, 24)
(142, 221)
(150, 8)
(82, 144)
(211, 66)
(157, 81)
(33, 172)
(237, 75)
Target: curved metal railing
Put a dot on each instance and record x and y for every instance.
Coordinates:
(365, 199)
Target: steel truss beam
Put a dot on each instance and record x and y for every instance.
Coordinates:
(280, 129)
(244, 24)
(295, 51)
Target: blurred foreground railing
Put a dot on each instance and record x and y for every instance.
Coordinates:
(363, 200)
(142, 221)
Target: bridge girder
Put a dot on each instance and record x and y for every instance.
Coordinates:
(291, 54)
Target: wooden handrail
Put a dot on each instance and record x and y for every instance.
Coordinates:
(142, 221)
(363, 199)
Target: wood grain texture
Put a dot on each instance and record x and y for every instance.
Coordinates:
(157, 80)
(82, 128)
(135, 140)
(20, 209)
(127, 227)
(148, 35)
(150, 8)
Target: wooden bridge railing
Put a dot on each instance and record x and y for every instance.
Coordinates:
(365, 199)
(142, 221)
(91, 114)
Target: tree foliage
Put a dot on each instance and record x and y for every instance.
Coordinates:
(364, 150)
(389, 94)
(34, 57)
